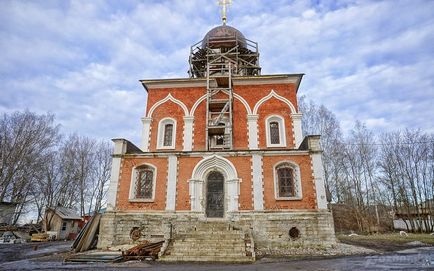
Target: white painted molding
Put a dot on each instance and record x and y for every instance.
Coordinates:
(297, 181)
(277, 96)
(169, 97)
(199, 175)
(258, 193)
(252, 126)
(196, 104)
(318, 174)
(298, 133)
(161, 131)
(132, 196)
(236, 96)
(282, 130)
(114, 182)
(188, 133)
(171, 182)
(242, 100)
(146, 133)
(214, 161)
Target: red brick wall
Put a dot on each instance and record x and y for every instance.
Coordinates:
(251, 93)
(127, 165)
(185, 169)
(275, 107)
(308, 191)
(243, 165)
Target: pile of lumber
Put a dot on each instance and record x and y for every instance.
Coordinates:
(39, 237)
(143, 250)
(88, 236)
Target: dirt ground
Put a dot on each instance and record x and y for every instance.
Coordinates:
(50, 256)
(388, 242)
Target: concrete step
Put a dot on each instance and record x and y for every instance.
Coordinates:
(210, 247)
(209, 253)
(227, 259)
(214, 237)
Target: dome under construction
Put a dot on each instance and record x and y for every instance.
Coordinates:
(224, 44)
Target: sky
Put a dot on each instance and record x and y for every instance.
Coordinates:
(82, 60)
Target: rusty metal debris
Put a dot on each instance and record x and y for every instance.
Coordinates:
(143, 251)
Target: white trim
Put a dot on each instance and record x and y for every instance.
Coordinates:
(296, 124)
(252, 126)
(132, 196)
(196, 104)
(282, 131)
(297, 181)
(199, 174)
(161, 130)
(318, 174)
(277, 96)
(146, 133)
(171, 182)
(169, 97)
(113, 186)
(236, 96)
(188, 133)
(201, 168)
(257, 178)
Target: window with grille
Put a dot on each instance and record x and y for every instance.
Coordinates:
(144, 183)
(274, 133)
(285, 180)
(168, 135)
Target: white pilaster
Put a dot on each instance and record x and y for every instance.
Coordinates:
(171, 182)
(258, 193)
(298, 133)
(146, 133)
(196, 188)
(188, 133)
(252, 126)
(119, 149)
(318, 173)
(233, 189)
(113, 186)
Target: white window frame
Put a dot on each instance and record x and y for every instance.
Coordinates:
(282, 132)
(297, 181)
(132, 195)
(161, 129)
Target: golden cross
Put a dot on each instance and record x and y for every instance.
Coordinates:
(224, 4)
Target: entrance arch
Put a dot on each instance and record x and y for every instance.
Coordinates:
(215, 193)
(198, 188)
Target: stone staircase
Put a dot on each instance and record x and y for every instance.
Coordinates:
(210, 242)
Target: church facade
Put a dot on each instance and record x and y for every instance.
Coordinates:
(222, 147)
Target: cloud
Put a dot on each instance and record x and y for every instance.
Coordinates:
(82, 60)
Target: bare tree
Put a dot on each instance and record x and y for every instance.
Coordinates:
(26, 140)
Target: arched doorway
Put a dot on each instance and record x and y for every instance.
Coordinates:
(215, 195)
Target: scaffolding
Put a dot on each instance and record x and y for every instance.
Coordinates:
(219, 60)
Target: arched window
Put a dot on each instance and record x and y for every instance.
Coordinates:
(287, 181)
(166, 134)
(143, 183)
(275, 131)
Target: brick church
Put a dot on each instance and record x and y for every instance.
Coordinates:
(222, 161)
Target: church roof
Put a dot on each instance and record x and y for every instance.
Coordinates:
(224, 36)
